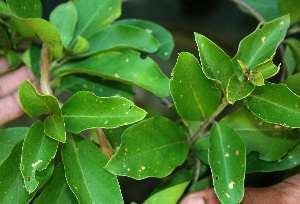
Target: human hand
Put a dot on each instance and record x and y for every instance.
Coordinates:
(10, 107)
(286, 192)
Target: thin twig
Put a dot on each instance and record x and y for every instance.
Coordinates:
(251, 10)
(44, 68)
(284, 69)
(103, 144)
(197, 171)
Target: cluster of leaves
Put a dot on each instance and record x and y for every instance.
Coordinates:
(92, 56)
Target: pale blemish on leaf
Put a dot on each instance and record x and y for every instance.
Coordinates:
(105, 122)
(128, 169)
(36, 163)
(112, 108)
(230, 185)
(166, 53)
(126, 112)
(116, 75)
(75, 187)
(135, 75)
(237, 152)
(227, 195)
(226, 155)
(281, 23)
(260, 123)
(126, 149)
(279, 160)
(263, 39)
(149, 31)
(84, 86)
(202, 45)
(110, 8)
(290, 157)
(143, 168)
(127, 60)
(228, 146)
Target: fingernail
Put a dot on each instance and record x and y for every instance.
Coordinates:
(194, 200)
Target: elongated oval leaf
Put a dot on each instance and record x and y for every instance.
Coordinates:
(216, 64)
(227, 159)
(12, 189)
(269, 140)
(57, 189)
(159, 146)
(37, 152)
(84, 110)
(55, 127)
(64, 18)
(163, 36)
(126, 67)
(275, 103)
(195, 96)
(261, 44)
(85, 174)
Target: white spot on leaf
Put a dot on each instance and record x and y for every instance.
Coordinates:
(149, 30)
(227, 195)
(263, 39)
(226, 155)
(281, 23)
(237, 152)
(143, 168)
(166, 53)
(228, 146)
(231, 185)
(116, 75)
(36, 163)
(127, 60)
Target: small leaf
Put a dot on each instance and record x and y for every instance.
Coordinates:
(169, 195)
(95, 15)
(256, 78)
(12, 189)
(97, 85)
(290, 7)
(201, 148)
(31, 58)
(154, 152)
(37, 152)
(216, 64)
(55, 127)
(26, 8)
(86, 177)
(227, 159)
(244, 67)
(290, 160)
(236, 90)
(5, 43)
(269, 140)
(275, 103)
(261, 44)
(84, 110)
(81, 46)
(57, 189)
(267, 68)
(9, 137)
(126, 67)
(195, 96)
(13, 60)
(163, 36)
(64, 18)
(293, 83)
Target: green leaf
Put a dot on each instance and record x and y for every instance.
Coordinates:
(256, 78)
(126, 67)
(227, 159)
(290, 61)
(154, 152)
(64, 18)
(275, 103)
(55, 127)
(84, 110)
(37, 152)
(9, 137)
(13, 60)
(267, 68)
(268, 9)
(114, 136)
(163, 36)
(293, 83)
(295, 46)
(290, 160)
(291, 7)
(261, 44)
(169, 195)
(22, 28)
(26, 8)
(203, 184)
(4, 10)
(269, 140)
(95, 15)
(85, 174)
(121, 37)
(81, 46)
(31, 58)
(201, 148)
(236, 90)
(12, 189)
(195, 96)
(5, 43)
(216, 64)
(57, 189)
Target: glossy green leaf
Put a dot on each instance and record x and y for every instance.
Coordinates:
(4, 10)
(236, 90)
(5, 43)
(114, 136)
(295, 46)
(203, 184)
(95, 15)
(122, 37)
(22, 28)
(84, 110)
(26, 8)
(37, 152)
(81, 46)
(244, 67)
(85, 174)
(9, 137)
(268, 9)
(216, 64)
(275, 103)
(269, 140)
(290, 160)
(57, 189)
(293, 82)
(55, 127)
(169, 195)
(289, 60)
(267, 68)
(13, 60)
(163, 36)
(64, 18)
(126, 67)
(261, 44)
(31, 58)
(12, 189)
(256, 78)
(291, 7)
(97, 85)
(195, 96)
(154, 152)
(227, 159)
(201, 148)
